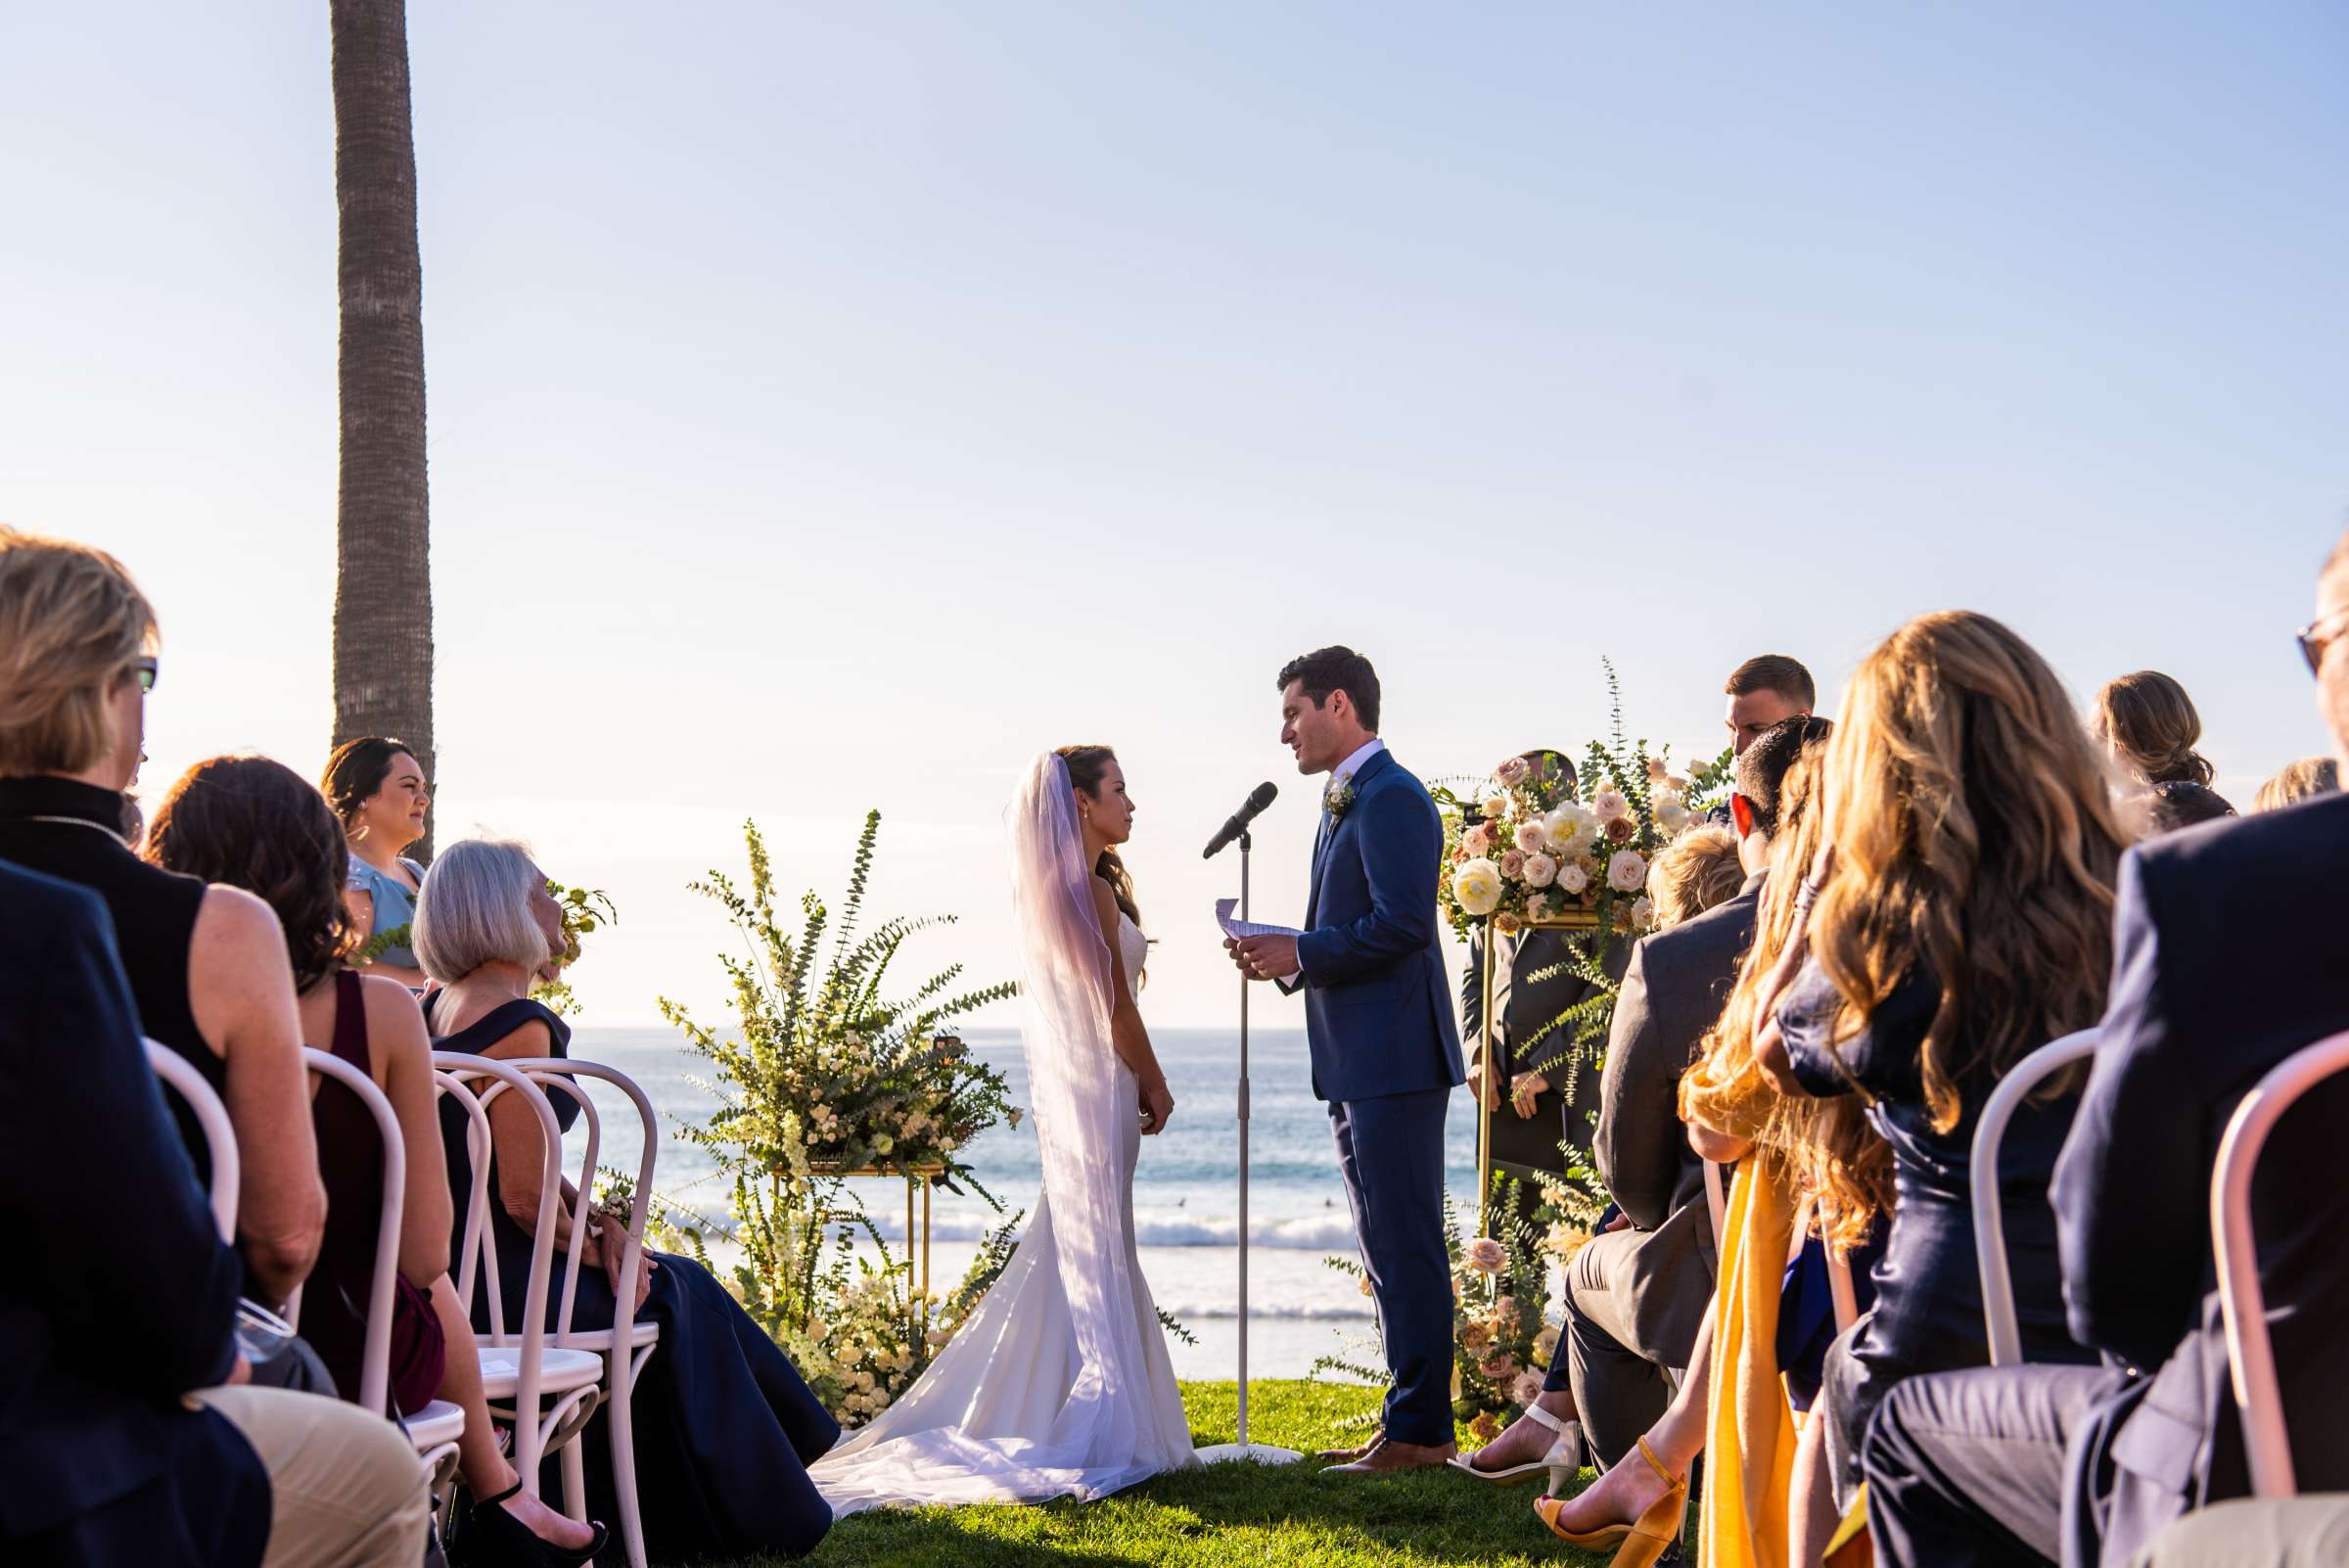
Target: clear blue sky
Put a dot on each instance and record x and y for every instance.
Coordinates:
(831, 406)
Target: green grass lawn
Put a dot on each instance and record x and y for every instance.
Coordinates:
(1230, 1516)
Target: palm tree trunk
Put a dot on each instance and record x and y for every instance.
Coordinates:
(383, 578)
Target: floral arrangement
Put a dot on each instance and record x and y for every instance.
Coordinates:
(823, 1076)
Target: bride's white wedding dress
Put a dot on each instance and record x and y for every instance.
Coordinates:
(1058, 1385)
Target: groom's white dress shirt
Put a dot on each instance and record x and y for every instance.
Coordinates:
(1339, 777)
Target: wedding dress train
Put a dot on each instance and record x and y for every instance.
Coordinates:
(1059, 1384)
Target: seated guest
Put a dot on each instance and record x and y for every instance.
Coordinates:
(249, 821)
(207, 965)
(2150, 724)
(126, 1435)
(1636, 1297)
(724, 1427)
(2294, 782)
(1963, 918)
(2210, 991)
(1697, 871)
(377, 787)
(1532, 1035)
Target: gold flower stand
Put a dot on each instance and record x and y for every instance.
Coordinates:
(917, 1238)
(1570, 920)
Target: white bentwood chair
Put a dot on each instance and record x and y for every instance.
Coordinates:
(1990, 1241)
(219, 1138)
(520, 1371)
(640, 1339)
(2242, 1305)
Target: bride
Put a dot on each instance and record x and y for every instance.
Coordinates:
(1058, 1385)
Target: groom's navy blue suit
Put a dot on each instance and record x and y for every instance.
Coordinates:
(1386, 1057)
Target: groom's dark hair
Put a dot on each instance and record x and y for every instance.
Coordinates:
(1338, 669)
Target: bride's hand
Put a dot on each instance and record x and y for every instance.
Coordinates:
(1158, 1105)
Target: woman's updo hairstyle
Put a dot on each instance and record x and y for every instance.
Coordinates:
(257, 824)
(2148, 719)
(1088, 766)
(355, 773)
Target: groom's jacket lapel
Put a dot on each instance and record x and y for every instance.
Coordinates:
(1325, 842)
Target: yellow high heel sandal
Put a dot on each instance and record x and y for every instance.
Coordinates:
(1641, 1542)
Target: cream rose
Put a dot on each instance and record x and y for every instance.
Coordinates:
(1512, 864)
(1476, 887)
(1572, 879)
(1531, 839)
(1609, 803)
(1539, 870)
(1643, 912)
(1626, 871)
(1477, 840)
(1670, 811)
(1497, 807)
(1527, 1388)
(1512, 772)
(1570, 829)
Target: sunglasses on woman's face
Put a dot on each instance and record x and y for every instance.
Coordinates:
(143, 670)
(2313, 645)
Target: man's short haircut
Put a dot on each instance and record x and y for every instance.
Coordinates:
(475, 909)
(1774, 673)
(1335, 668)
(1761, 771)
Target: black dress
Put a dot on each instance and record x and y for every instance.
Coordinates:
(1929, 1310)
(725, 1428)
(73, 831)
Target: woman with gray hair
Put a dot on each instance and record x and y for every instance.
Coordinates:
(724, 1426)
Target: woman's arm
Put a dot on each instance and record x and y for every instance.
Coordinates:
(1127, 1035)
(396, 1036)
(241, 991)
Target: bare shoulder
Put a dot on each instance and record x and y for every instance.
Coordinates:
(235, 923)
(1105, 902)
(392, 1014)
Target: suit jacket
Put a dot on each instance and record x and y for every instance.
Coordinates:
(1524, 1006)
(1377, 1013)
(121, 1296)
(2230, 954)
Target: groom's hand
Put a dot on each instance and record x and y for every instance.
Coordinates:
(1265, 958)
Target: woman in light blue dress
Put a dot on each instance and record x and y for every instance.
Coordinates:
(377, 787)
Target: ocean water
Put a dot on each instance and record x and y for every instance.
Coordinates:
(1186, 1188)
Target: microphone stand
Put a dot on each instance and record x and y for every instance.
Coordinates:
(1258, 1453)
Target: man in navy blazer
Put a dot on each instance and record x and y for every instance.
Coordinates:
(117, 1314)
(2230, 954)
(1378, 1021)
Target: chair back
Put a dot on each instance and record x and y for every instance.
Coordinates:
(565, 1071)
(2242, 1305)
(1990, 1241)
(530, 1339)
(221, 1139)
(476, 1197)
(375, 1364)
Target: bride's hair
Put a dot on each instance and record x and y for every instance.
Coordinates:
(1088, 766)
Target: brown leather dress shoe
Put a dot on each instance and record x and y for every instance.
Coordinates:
(1388, 1457)
(1347, 1455)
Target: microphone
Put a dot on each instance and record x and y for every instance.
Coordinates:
(1257, 798)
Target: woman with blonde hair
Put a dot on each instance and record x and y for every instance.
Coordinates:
(1957, 915)
(2294, 782)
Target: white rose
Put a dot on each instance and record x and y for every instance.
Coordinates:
(1539, 870)
(1497, 807)
(1569, 830)
(1536, 907)
(1571, 879)
(1643, 912)
(1626, 871)
(1609, 803)
(1476, 886)
(850, 1355)
(1670, 811)
(864, 1381)
(1531, 839)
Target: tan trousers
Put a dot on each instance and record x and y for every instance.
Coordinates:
(346, 1488)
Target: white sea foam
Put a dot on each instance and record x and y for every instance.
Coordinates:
(1313, 1233)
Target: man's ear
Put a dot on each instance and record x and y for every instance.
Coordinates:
(1741, 812)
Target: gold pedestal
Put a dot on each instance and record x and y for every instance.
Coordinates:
(917, 1241)
(1496, 1082)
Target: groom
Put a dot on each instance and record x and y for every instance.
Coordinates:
(1378, 1019)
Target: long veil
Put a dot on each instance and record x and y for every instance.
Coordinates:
(1046, 1390)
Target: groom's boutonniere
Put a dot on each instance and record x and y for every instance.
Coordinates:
(1335, 801)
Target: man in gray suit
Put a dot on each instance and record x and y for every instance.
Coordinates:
(1636, 1294)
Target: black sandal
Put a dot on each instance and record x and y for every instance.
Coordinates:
(494, 1539)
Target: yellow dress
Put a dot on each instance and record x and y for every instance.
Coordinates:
(1744, 1521)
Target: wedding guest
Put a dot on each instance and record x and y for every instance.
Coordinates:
(206, 964)
(250, 822)
(1535, 1045)
(1766, 689)
(1636, 1297)
(2151, 726)
(1963, 918)
(724, 1427)
(127, 1431)
(377, 787)
(1696, 872)
(2294, 782)
(2028, 1464)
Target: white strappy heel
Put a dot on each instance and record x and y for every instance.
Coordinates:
(1565, 1453)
